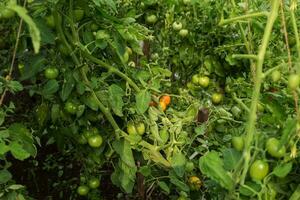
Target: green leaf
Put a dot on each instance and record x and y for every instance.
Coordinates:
(145, 170)
(164, 186)
(5, 176)
(67, 86)
(3, 148)
(15, 86)
(283, 170)
(296, 194)
(19, 133)
(123, 148)
(34, 65)
(212, 166)
(42, 113)
(116, 94)
(124, 176)
(154, 131)
(47, 36)
(90, 101)
(2, 117)
(55, 112)
(143, 99)
(232, 157)
(33, 30)
(178, 183)
(50, 88)
(289, 129)
(248, 188)
(110, 3)
(18, 151)
(178, 163)
(15, 187)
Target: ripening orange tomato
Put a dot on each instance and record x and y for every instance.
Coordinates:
(163, 105)
(166, 99)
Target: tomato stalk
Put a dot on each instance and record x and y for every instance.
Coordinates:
(243, 17)
(250, 128)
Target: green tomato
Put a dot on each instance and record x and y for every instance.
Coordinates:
(51, 73)
(151, 19)
(204, 81)
(195, 79)
(276, 75)
(272, 146)
(82, 190)
(140, 128)
(183, 32)
(238, 143)
(95, 141)
(217, 98)
(71, 107)
(189, 166)
(94, 183)
(50, 21)
(259, 170)
(78, 14)
(131, 129)
(7, 13)
(177, 26)
(293, 81)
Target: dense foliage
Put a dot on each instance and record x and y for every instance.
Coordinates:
(152, 99)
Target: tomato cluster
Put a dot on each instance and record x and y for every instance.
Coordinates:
(93, 183)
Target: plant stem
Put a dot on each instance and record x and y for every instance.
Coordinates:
(247, 16)
(250, 129)
(247, 56)
(8, 77)
(111, 69)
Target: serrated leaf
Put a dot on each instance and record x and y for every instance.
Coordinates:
(3, 148)
(18, 151)
(33, 67)
(232, 157)
(212, 166)
(164, 186)
(142, 99)
(178, 183)
(15, 187)
(145, 170)
(50, 88)
(67, 86)
(5, 176)
(116, 94)
(55, 112)
(178, 163)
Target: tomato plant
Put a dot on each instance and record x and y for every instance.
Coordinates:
(194, 99)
